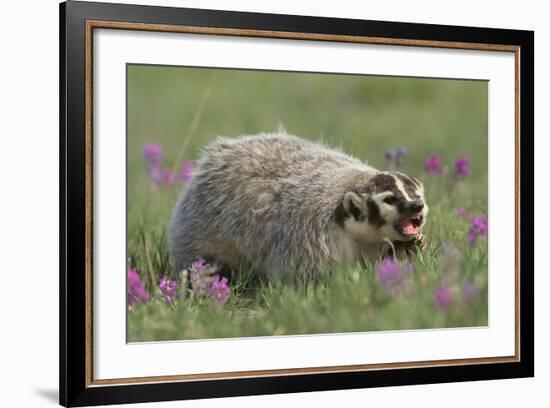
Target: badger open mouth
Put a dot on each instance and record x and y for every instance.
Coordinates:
(409, 226)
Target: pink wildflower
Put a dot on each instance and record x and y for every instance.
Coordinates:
(136, 291)
(433, 165)
(443, 297)
(479, 228)
(153, 154)
(462, 167)
(219, 290)
(169, 289)
(186, 172)
(394, 277)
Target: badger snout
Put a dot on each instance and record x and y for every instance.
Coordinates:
(412, 207)
(411, 218)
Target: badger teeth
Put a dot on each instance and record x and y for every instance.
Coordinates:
(417, 221)
(410, 226)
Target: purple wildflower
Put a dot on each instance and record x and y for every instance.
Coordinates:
(201, 275)
(161, 176)
(462, 167)
(153, 154)
(478, 229)
(186, 171)
(387, 270)
(461, 212)
(394, 276)
(169, 289)
(219, 290)
(136, 291)
(198, 263)
(433, 165)
(469, 291)
(443, 297)
(395, 157)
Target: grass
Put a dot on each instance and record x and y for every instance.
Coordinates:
(363, 115)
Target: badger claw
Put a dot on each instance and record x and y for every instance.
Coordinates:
(405, 248)
(420, 242)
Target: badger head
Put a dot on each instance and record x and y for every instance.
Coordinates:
(390, 205)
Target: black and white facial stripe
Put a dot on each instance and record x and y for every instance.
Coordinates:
(399, 184)
(411, 186)
(374, 215)
(393, 189)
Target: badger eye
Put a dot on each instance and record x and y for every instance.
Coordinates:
(390, 200)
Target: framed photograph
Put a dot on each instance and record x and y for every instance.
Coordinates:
(256, 203)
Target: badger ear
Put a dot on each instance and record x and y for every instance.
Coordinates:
(355, 205)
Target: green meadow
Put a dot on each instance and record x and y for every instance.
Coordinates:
(183, 109)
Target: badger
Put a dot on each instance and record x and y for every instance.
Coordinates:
(287, 207)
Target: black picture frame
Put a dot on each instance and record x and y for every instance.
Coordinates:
(75, 389)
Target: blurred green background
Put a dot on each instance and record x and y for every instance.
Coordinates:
(365, 116)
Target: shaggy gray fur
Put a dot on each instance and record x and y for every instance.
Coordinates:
(266, 202)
